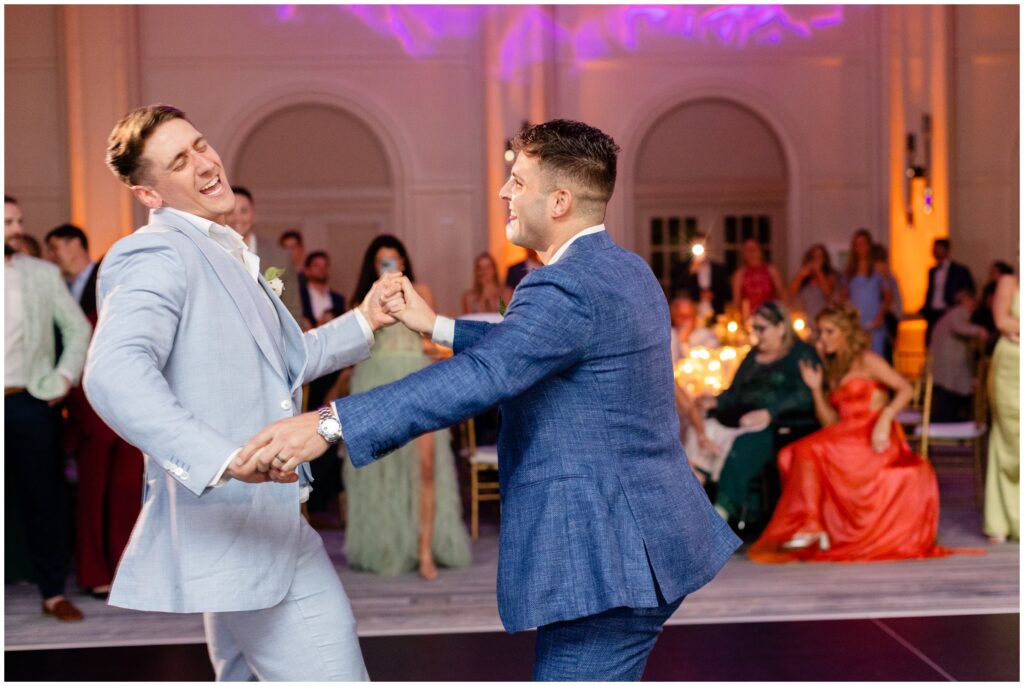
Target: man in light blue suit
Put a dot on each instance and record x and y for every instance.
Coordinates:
(193, 353)
(604, 528)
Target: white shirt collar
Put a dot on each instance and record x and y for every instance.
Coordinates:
(565, 246)
(224, 236)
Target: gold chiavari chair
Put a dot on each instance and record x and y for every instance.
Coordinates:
(483, 474)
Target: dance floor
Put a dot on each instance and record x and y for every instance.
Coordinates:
(899, 620)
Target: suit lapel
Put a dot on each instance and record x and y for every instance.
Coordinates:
(294, 348)
(239, 285)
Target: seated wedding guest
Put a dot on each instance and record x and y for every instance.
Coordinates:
(683, 314)
(815, 283)
(766, 394)
(983, 312)
(1002, 479)
(487, 292)
(704, 280)
(520, 269)
(866, 289)
(953, 363)
(36, 305)
(755, 282)
(894, 310)
(404, 512)
(109, 469)
(853, 491)
(321, 304)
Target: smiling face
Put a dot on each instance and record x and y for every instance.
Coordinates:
(183, 172)
(832, 337)
(14, 221)
(242, 216)
(752, 255)
(527, 194)
(485, 270)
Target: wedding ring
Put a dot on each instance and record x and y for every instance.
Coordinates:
(277, 461)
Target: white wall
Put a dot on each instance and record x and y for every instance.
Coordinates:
(441, 117)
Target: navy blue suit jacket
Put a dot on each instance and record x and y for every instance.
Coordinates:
(599, 506)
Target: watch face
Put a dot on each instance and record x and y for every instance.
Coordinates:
(331, 427)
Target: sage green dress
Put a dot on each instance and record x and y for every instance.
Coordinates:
(383, 498)
(1002, 481)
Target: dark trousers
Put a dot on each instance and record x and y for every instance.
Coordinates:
(326, 469)
(948, 406)
(35, 486)
(109, 499)
(610, 646)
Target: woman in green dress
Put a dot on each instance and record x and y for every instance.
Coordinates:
(767, 393)
(404, 511)
(1002, 482)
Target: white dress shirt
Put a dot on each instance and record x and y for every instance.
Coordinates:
(444, 328)
(233, 244)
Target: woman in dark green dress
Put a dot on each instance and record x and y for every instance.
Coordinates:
(769, 400)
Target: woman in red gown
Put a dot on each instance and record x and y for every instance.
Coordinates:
(853, 491)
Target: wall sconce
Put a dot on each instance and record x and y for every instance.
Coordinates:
(510, 154)
(915, 171)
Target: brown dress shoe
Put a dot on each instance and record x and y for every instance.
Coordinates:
(64, 611)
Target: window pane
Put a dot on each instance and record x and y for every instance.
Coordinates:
(673, 230)
(657, 232)
(691, 228)
(747, 226)
(658, 264)
(764, 229)
(730, 229)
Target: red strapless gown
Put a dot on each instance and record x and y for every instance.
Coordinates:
(873, 506)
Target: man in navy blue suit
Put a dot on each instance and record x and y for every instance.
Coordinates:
(604, 528)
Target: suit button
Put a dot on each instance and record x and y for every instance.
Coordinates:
(286, 404)
(183, 475)
(168, 466)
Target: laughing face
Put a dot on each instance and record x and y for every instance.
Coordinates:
(184, 173)
(528, 197)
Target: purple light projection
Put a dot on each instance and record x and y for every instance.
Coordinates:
(420, 28)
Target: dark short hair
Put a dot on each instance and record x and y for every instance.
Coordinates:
(944, 242)
(1005, 268)
(128, 140)
(290, 234)
(31, 245)
(242, 190)
(69, 232)
(573, 151)
(314, 255)
(9, 200)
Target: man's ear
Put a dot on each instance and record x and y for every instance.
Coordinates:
(561, 203)
(148, 196)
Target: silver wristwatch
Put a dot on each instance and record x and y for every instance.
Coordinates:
(329, 427)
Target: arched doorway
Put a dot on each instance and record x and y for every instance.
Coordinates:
(709, 165)
(319, 169)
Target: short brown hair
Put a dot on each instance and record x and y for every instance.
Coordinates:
(128, 140)
(573, 151)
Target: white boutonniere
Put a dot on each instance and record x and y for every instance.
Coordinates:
(273, 277)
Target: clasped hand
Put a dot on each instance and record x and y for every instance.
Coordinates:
(275, 452)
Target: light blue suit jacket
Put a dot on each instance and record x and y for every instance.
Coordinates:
(188, 362)
(599, 506)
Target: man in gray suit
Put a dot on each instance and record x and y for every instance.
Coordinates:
(194, 353)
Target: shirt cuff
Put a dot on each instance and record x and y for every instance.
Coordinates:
(444, 332)
(365, 326)
(219, 479)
